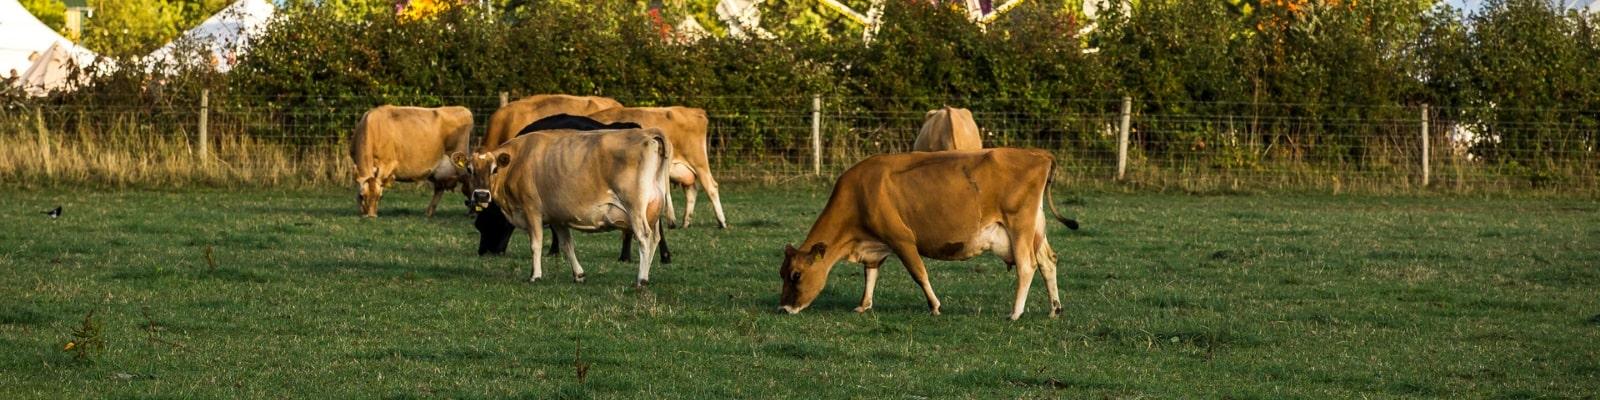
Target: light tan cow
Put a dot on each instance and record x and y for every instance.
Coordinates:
(686, 128)
(591, 181)
(948, 205)
(511, 118)
(948, 128)
(407, 144)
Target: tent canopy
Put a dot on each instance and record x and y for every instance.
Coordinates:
(219, 41)
(52, 69)
(25, 39)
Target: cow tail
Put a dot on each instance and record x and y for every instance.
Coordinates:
(1050, 199)
(664, 172)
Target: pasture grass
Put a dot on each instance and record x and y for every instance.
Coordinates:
(1167, 296)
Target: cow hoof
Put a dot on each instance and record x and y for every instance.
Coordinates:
(642, 284)
(722, 225)
(533, 280)
(935, 312)
(863, 309)
(579, 277)
(624, 259)
(1055, 312)
(1014, 317)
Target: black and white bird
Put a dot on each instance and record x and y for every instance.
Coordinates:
(56, 213)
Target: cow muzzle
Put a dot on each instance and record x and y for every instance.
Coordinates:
(480, 199)
(790, 309)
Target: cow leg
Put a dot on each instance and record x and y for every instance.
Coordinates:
(919, 273)
(647, 236)
(567, 249)
(535, 226)
(872, 281)
(716, 198)
(555, 242)
(661, 233)
(438, 192)
(689, 193)
(1047, 267)
(1022, 250)
(627, 246)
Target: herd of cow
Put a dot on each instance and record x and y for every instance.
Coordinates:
(590, 164)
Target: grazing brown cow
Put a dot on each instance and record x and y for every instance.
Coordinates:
(407, 144)
(948, 128)
(685, 127)
(591, 181)
(511, 118)
(948, 205)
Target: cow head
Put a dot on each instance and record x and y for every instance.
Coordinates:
(480, 169)
(369, 189)
(804, 273)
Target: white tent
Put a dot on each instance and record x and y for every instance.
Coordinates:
(225, 36)
(743, 18)
(52, 68)
(23, 38)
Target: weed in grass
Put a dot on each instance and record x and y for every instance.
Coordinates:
(88, 340)
(211, 262)
(579, 367)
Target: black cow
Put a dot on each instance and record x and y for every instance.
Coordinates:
(495, 231)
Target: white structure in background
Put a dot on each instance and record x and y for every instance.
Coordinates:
(224, 37)
(743, 18)
(690, 30)
(51, 70)
(869, 22)
(25, 39)
(38, 57)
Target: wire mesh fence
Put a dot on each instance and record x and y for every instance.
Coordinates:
(1189, 146)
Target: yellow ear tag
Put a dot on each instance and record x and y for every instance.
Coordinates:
(816, 257)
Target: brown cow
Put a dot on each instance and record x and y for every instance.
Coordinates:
(685, 127)
(949, 205)
(407, 144)
(511, 118)
(948, 128)
(586, 180)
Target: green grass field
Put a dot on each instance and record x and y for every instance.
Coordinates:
(1167, 296)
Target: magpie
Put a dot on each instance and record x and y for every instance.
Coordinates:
(56, 213)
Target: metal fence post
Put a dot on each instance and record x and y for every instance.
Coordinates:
(205, 114)
(504, 98)
(1425, 145)
(816, 135)
(1122, 137)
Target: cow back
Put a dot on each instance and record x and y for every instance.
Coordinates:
(412, 140)
(562, 173)
(948, 128)
(684, 127)
(511, 118)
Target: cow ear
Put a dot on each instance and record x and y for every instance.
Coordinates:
(817, 250)
(459, 159)
(502, 160)
(789, 251)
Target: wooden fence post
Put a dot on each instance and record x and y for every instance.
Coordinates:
(44, 142)
(1122, 137)
(205, 115)
(1425, 145)
(816, 135)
